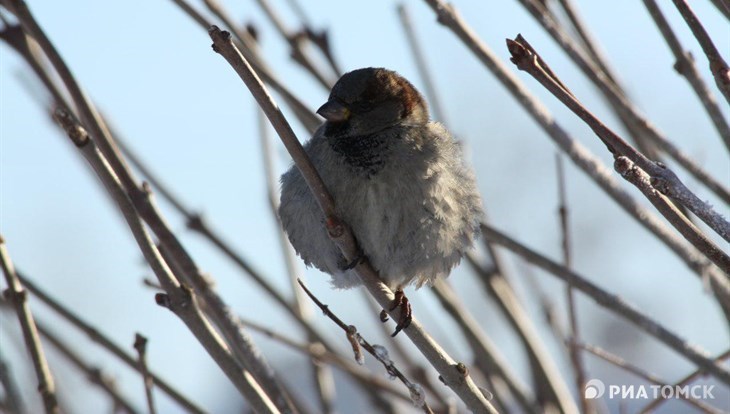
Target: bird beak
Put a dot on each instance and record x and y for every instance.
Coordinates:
(334, 111)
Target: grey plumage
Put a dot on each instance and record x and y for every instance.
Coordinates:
(399, 181)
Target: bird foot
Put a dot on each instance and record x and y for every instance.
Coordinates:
(406, 313)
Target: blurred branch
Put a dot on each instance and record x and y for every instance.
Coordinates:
(13, 401)
(576, 358)
(295, 41)
(662, 178)
(340, 234)
(487, 356)
(611, 302)
(106, 343)
(547, 379)
(723, 6)
(18, 298)
(94, 374)
(685, 66)
(651, 407)
(626, 366)
(591, 46)
(718, 66)
(594, 71)
(140, 344)
(308, 119)
(420, 61)
(587, 162)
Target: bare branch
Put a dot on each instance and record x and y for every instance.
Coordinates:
(662, 178)
(685, 66)
(307, 118)
(295, 41)
(718, 66)
(651, 407)
(322, 354)
(340, 233)
(421, 65)
(140, 344)
(18, 298)
(487, 356)
(574, 333)
(13, 401)
(626, 366)
(611, 302)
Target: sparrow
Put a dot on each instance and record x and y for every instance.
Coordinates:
(399, 181)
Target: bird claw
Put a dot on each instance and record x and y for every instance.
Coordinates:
(406, 313)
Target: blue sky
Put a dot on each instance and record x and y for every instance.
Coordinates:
(184, 111)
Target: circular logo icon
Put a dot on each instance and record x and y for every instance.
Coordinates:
(594, 389)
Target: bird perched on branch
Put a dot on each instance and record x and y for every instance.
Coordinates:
(398, 180)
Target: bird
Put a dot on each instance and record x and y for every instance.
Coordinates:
(398, 179)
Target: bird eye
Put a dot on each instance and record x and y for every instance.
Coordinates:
(363, 106)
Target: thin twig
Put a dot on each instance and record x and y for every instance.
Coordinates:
(626, 366)
(305, 115)
(321, 354)
(574, 333)
(662, 178)
(140, 345)
(651, 407)
(685, 66)
(295, 41)
(421, 65)
(379, 352)
(590, 44)
(611, 302)
(340, 233)
(414, 370)
(18, 297)
(718, 66)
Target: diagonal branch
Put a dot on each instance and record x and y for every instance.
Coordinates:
(718, 66)
(662, 178)
(685, 66)
(18, 298)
